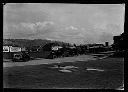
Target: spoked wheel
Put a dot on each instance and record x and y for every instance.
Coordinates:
(54, 56)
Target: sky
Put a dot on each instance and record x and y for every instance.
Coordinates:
(73, 23)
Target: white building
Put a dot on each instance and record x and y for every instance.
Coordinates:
(13, 49)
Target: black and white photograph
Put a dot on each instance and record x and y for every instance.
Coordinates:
(64, 46)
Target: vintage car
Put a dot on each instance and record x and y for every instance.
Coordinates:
(23, 57)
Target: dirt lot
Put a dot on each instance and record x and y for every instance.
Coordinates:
(39, 61)
(45, 76)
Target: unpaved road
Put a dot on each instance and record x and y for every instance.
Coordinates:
(58, 60)
(49, 61)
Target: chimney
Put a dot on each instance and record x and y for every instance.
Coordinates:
(106, 43)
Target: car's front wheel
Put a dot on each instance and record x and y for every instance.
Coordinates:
(54, 56)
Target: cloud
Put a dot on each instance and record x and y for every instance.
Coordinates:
(106, 37)
(17, 13)
(71, 28)
(37, 25)
(70, 22)
(30, 29)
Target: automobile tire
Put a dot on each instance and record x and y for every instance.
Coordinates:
(54, 56)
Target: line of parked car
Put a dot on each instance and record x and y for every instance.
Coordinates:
(55, 51)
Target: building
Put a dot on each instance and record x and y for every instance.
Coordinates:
(9, 50)
(120, 42)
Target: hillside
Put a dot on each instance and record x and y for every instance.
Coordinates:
(30, 43)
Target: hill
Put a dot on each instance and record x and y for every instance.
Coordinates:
(30, 43)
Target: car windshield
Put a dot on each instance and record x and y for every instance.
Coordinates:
(17, 55)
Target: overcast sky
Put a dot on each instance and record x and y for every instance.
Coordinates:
(75, 23)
